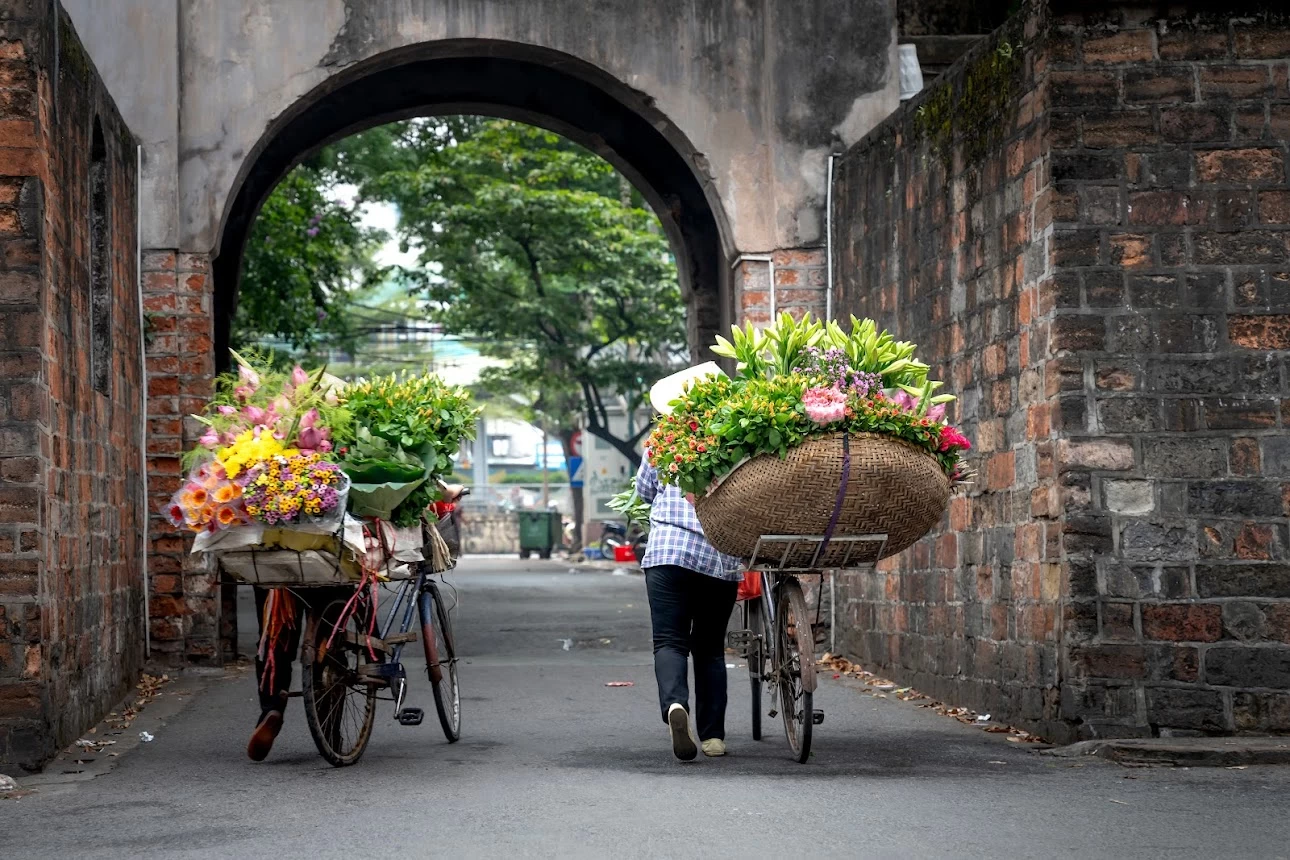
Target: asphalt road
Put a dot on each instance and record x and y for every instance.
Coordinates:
(553, 763)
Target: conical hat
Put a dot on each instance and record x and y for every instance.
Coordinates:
(670, 388)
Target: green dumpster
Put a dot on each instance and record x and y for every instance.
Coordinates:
(539, 531)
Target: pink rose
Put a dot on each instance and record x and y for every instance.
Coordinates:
(825, 405)
(952, 438)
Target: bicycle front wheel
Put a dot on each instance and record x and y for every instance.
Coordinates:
(795, 654)
(441, 660)
(339, 701)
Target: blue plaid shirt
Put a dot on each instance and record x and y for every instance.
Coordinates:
(675, 536)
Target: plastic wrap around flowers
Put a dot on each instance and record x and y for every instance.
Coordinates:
(208, 500)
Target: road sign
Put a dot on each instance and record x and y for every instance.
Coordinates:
(575, 445)
(575, 472)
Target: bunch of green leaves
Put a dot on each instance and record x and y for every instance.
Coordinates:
(410, 510)
(417, 412)
(633, 508)
(370, 459)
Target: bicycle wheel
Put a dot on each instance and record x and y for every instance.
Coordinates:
(441, 660)
(755, 624)
(340, 705)
(795, 654)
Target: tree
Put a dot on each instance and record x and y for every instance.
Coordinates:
(530, 242)
(306, 256)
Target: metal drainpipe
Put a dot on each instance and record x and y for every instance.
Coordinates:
(828, 241)
(769, 260)
(143, 393)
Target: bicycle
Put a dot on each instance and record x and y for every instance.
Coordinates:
(785, 661)
(346, 661)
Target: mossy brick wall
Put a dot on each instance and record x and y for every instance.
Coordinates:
(942, 234)
(1120, 566)
(1169, 141)
(71, 581)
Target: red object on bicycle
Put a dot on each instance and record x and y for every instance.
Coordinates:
(624, 553)
(443, 508)
(749, 586)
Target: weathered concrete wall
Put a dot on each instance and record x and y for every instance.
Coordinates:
(71, 490)
(761, 91)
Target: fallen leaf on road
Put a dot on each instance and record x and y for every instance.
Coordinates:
(620, 683)
(1121, 802)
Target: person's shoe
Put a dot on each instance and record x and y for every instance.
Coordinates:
(714, 747)
(678, 722)
(257, 748)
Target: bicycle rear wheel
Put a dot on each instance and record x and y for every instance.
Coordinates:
(340, 704)
(795, 647)
(755, 624)
(441, 660)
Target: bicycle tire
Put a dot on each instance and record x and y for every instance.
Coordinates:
(754, 622)
(795, 645)
(441, 659)
(328, 681)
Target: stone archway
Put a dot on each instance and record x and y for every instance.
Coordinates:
(513, 81)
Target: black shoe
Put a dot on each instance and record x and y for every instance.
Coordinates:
(684, 746)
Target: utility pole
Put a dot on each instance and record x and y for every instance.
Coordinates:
(546, 473)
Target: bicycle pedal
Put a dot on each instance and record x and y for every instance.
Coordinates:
(773, 713)
(410, 716)
(817, 717)
(737, 639)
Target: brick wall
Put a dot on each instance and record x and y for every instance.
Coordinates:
(185, 600)
(1169, 144)
(71, 586)
(1101, 270)
(942, 234)
(799, 285)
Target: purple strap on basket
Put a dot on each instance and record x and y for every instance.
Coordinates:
(842, 494)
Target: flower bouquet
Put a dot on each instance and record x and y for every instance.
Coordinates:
(289, 462)
(822, 432)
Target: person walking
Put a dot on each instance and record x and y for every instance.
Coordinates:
(691, 589)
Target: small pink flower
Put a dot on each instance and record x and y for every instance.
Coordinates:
(937, 413)
(255, 414)
(226, 410)
(330, 398)
(905, 401)
(952, 438)
(298, 376)
(324, 446)
(825, 405)
(209, 439)
(248, 376)
(281, 404)
(309, 439)
(243, 392)
(309, 419)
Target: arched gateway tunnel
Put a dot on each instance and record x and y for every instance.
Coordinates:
(1082, 218)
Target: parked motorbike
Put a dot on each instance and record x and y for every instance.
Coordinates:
(619, 534)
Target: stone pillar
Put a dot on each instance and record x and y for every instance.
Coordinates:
(184, 602)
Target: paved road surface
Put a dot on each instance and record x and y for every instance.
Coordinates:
(554, 764)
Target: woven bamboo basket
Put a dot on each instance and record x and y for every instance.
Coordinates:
(894, 488)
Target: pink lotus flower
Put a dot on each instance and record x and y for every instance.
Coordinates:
(243, 392)
(209, 439)
(309, 419)
(825, 405)
(309, 440)
(325, 446)
(281, 404)
(937, 413)
(226, 410)
(298, 376)
(952, 438)
(909, 403)
(248, 376)
(255, 414)
(330, 398)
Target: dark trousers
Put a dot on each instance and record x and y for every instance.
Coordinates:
(274, 697)
(690, 612)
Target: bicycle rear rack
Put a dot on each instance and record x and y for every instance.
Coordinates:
(845, 552)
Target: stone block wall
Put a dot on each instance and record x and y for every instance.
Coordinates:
(1169, 142)
(943, 230)
(71, 476)
(1100, 272)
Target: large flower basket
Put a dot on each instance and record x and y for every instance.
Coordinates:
(892, 488)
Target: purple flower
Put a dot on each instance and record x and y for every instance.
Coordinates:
(311, 232)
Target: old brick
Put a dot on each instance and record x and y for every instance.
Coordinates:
(1129, 497)
(1224, 414)
(1173, 707)
(1082, 88)
(1195, 124)
(1249, 580)
(1243, 248)
(1086, 167)
(1122, 662)
(1241, 166)
(1234, 82)
(1244, 621)
(1261, 712)
(1117, 623)
(1098, 454)
(1126, 46)
(1103, 129)
(1077, 333)
(1245, 457)
(1264, 331)
(1261, 43)
(1243, 666)
(1186, 44)
(1234, 498)
(1158, 85)
(1274, 207)
(1182, 622)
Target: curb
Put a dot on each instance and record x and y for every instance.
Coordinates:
(1182, 752)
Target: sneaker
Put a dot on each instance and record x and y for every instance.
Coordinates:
(257, 748)
(683, 744)
(714, 747)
